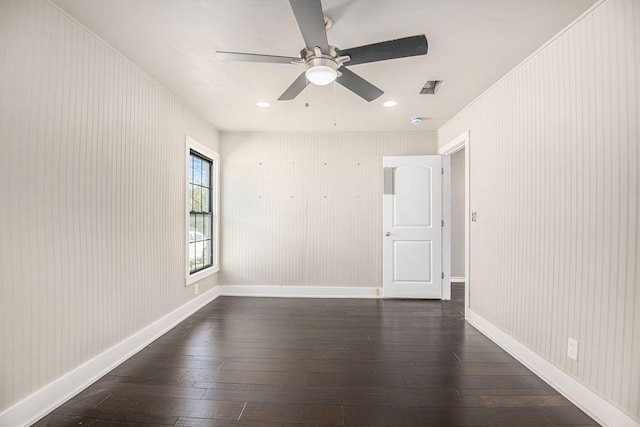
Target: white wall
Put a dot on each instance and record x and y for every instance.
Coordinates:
(554, 158)
(92, 193)
(305, 209)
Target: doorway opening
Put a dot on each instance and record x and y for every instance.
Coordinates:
(457, 235)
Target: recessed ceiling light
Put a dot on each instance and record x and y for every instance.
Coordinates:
(263, 104)
(390, 103)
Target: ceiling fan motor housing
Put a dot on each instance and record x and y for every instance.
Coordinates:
(322, 68)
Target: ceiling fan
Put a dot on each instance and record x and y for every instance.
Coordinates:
(324, 63)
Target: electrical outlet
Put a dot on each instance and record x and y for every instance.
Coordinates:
(195, 288)
(572, 349)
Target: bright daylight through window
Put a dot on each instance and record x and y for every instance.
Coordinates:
(201, 206)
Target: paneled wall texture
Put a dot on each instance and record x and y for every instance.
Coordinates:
(305, 209)
(555, 162)
(92, 197)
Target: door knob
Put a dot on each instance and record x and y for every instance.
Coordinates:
(387, 234)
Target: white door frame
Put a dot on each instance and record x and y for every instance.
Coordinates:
(456, 144)
(446, 227)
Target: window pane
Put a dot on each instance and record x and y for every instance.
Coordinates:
(207, 253)
(207, 227)
(205, 200)
(199, 254)
(200, 227)
(192, 223)
(206, 166)
(197, 173)
(197, 205)
(192, 256)
(190, 197)
(191, 160)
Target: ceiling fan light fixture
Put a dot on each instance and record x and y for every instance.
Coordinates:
(321, 71)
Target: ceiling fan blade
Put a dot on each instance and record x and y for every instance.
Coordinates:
(399, 48)
(358, 85)
(294, 90)
(254, 57)
(310, 19)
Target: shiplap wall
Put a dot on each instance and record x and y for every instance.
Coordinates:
(554, 152)
(305, 209)
(92, 197)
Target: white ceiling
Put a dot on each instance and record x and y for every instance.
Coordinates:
(472, 44)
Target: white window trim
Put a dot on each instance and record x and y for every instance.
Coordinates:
(192, 144)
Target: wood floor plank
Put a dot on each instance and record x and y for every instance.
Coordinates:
(444, 416)
(128, 414)
(129, 389)
(273, 388)
(355, 380)
(203, 422)
(293, 413)
(297, 365)
(245, 377)
(171, 407)
(66, 421)
(525, 400)
(566, 416)
(314, 362)
(436, 400)
(146, 379)
(474, 381)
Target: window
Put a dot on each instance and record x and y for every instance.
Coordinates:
(202, 205)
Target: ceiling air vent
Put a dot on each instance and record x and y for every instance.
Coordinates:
(431, 87)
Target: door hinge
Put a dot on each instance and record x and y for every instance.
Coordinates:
(443, 222)
(442, 275)
(441, 171)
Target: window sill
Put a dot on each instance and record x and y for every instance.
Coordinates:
(193, 278)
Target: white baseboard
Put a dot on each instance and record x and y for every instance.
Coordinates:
(299, 291)
(598, 408)
(457, 280)
(45, 400)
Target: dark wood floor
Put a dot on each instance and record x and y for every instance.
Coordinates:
(278, 362)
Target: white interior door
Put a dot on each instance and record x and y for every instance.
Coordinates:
(412, 221)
